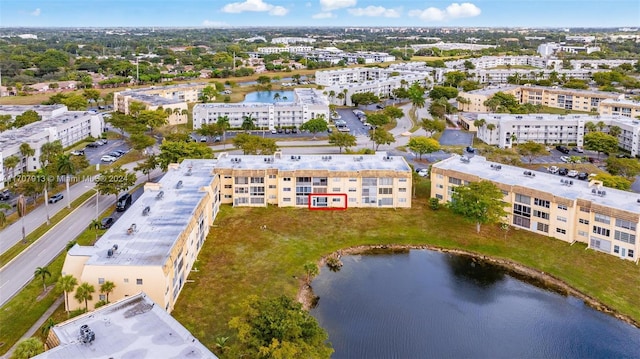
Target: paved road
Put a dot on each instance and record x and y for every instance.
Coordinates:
(19, 272)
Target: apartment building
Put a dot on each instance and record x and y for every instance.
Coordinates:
(619, 107)
(131, 327)
(292, 40)
(57, 123)
(152, 247)
(290, 49)
(307, 104)
(316, 181)
(568, 99)
(508, 129)
(605, 219)
(174, 97)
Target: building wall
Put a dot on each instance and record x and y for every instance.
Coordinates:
(569, 220)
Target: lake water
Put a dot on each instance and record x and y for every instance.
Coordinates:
(268, 96)
(427, 304)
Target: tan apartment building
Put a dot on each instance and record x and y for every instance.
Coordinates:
(152, 247)
(571, 210)
(568, 99)
(620, 107)
(316, 181)
(174, 97)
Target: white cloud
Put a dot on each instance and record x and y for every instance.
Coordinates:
(453, 11)
(328, 5)
(323, 15)
(255, 6)
(209, 23)
(35, 12)
(374, 11)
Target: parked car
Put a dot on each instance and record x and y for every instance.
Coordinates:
(578, 149)
(115, 154)
(563, 149)
(573, 173)
(280, 130)
(583, 176)
(121, 152)
(123, 202)
(77, 152)
(565, 159)
(106, 222)
(274, 131)
(101, 142)
(5, 194)
(286, 130)
(93, 145)
(203, 139)
(553, 169)
(470, 149)
(55, 198)
(294, 130)
(107, 158)
(563, 171)
(329, 130)
(423, 172)
(623, 155)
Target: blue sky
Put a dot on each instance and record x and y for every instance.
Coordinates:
(226, 13)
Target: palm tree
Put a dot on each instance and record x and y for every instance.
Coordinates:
(491, 127)
(28, 348)
(615, 131)
(248, 122)
(44, 273)
(590, 126)
(601, 125)
(84, 294)
(26, 151)
(66, 168)
(3, 216)
(10, 163)
(47, 326)
(276, 97)
(106, 288)
(67, 283)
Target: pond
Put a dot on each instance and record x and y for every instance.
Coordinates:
(427, 304)
(269, 96)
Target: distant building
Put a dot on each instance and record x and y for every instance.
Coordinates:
(307, 104)
(292, 40)
(57, 123)
(132, 327)
(605, 219)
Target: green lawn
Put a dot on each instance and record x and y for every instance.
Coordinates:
(240, 259)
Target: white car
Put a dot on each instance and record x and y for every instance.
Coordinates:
(573, 173)
(565, 159)
(107, 158)
(553, 169)
(423, 172)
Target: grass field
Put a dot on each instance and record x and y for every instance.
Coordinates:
(240, 259)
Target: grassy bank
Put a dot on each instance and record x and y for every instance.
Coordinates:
(240, 258)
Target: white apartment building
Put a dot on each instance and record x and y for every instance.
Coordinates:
(307, 104)
(605, 219)
(292, 40)
(57, 123)
(290, 49)
(551, 129)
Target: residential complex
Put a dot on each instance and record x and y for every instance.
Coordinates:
(307, 104)
(132, 327)
(571, 210)
(57, 123)
(505, 130)
(568, 99)
(173, 97)
(378, 181)
(154, 245)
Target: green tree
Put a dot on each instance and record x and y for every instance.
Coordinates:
(377, 119)
(3, 215)
(114, 181)
(106, 288)
(27, 117)
(438, 92)
(67, 283)
(26, 150)
(153, 119)
(248, 123)
(480, 202)
(84, 293)
(208, 94)
(140, 142)
(315, 125)
(612, 181)
(381, 136)
(422, 145)
(432, 126)
(175, 152)
(590, 126)
(393, 112)
(10, 164)
(147, 166)
(42, 272)
(66, 167)
(365, 98)
(76, 102)
(255, 145)
(600, 142)
(626, 167)
(91, 94)
(615, 131)
(211, 129)
(28, 348)
(279, 328)
(531, 149)
(416, 95)
(311, 270)
(342, 140)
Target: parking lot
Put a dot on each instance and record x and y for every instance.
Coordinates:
(94, 154)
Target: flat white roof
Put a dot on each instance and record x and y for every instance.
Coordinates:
(133, 327)
(155, 233)
(543, 181)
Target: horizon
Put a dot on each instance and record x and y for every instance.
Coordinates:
(230, 14)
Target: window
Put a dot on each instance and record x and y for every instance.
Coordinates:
(541, 202)
(624, 237)
(402, 200)
(286, 199)
(287, 179)
(439, 196)
(602, 218)
(522, 221)
(543, 227)
(126, 280)
(583, 233)
(625, 224)
(402, 190)
(353, 180)
(561, 231)
(386, 182)
(520, 198)
(540, 214)
(257, 190)
(585, 209)
(102, 297)
(616, 249)
(562, 219)
(562, 207)
(335, 189)
(352, 189)
(440, 186)
(385, 190)
(100, 280)
(257, 179)
(455, 181)
(337, 179)
(286, 189)
(404, 180)
(584, 221)
(242, 180)
(630, 253)
(272, 186)
(600, 244)
(352, 200)
(385, 201)
(367, 181)
(227, 177)
(139, 281)
(521, 210)
(272, 176)
(228, 186)
(601, 231)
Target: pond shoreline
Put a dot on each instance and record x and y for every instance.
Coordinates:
(307, 297)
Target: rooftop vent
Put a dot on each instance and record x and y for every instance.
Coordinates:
(295, 158)
(358, 159)
(110, 253)
(387, 158)
(465, 159)
(566, 182)
(188, 172)
(160, 195)
(236, 160)
(132, 229)
(600, 193)
(326, 158)
(638, 200)
(86, 334)
(496, 167)
(268, 160)
(179, 185)
(146, 210)
(529, 174)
